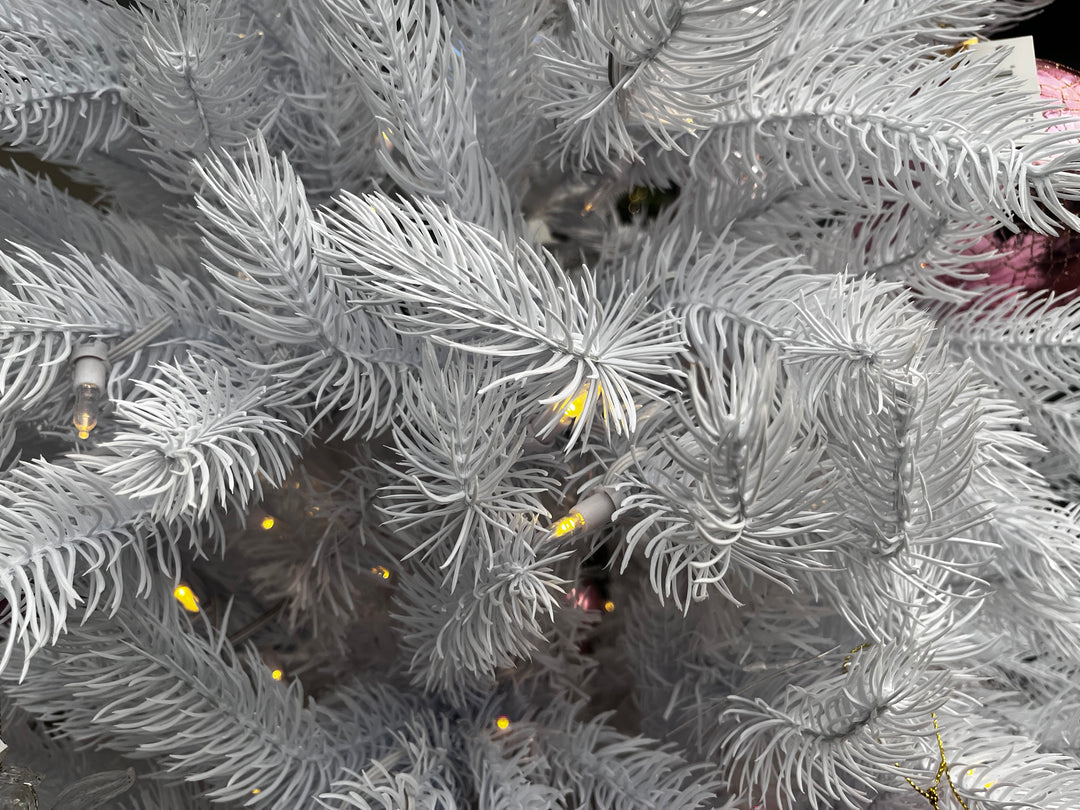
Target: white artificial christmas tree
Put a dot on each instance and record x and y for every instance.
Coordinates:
(533, 404)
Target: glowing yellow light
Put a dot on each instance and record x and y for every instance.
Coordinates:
(277, 674)
(502, 722)
(267, 522)
(186, 598)
(988, 785)
(609, 606)
(256, 790)
(573, 407)
(386, 140)
(570, 523)
(971, 772)
(86, 409)
(381, 571)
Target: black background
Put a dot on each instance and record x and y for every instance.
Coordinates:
(1057, 37)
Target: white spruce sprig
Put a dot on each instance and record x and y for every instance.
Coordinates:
(740, 487)
(208, 713)
(64, 533)
(260, 233)
(953, 147)
(840, 737)
(634, 71)
(196, 79)
(466, 289)
(507, 770)
(60, 84)
(50, 304)
(605, 768)
(199, 436)
(324, 109)
(1026, 344)
(461, 485)
(903, 426)
(416, 773)
(459, 638)
(497, 40)
(38, 215)
(418, 88)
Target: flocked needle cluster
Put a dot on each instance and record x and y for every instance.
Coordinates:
(533, 403)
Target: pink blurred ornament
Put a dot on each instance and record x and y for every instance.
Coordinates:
(1061, 84)
(1034, 261)
(585, 596)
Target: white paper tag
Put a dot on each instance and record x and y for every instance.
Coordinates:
(1020, 63)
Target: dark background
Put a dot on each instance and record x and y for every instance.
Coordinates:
(1055, 32)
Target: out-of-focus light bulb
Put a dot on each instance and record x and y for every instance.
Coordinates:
(277, 674)
(267, 522)
(609, 606)
(568, 524)
(186, 597)
(381, 571)
(502, 722)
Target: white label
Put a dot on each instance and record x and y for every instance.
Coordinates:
(1020, 63)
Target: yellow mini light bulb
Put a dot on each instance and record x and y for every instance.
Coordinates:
(568, 524)
(277, 674)
(502, 722)
(267, 522)
(609, 606)
(187, 598)
(381, 571)
(570, 409)
(89, 375)
(86, 409)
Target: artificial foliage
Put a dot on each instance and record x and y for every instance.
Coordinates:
(538, 404)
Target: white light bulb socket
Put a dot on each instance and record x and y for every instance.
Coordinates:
(543, 431)
(91, 367)
(598, 507)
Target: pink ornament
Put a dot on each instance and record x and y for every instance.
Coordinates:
(1033, 261)
(1060, 84)
(584, 596)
